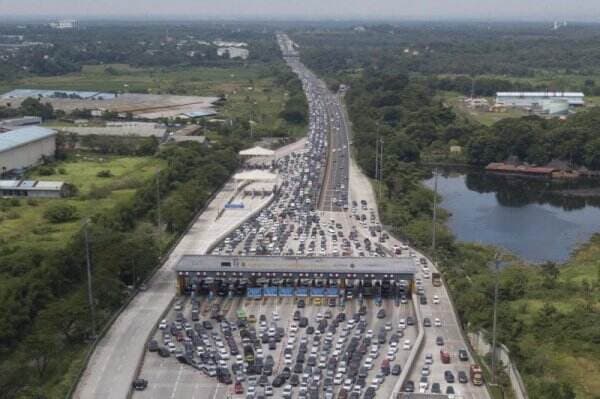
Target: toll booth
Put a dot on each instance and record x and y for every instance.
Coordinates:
(254, 293)
(286, 291)
(270, 291)
(301, 291)
(332, 292)
(317, 292)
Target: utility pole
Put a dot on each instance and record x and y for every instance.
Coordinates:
(89, 277)
(433, 223)
(380, 165)
(496, 265)
(158, 219)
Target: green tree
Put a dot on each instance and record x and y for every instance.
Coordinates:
(60, 212)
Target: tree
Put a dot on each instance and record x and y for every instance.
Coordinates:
(60, 212)
(33, 106)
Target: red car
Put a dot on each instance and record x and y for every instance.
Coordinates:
(238, 388)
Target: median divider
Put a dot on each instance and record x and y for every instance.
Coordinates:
(216, 240)
(415, 351)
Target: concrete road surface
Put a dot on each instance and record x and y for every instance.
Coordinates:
(112, 366)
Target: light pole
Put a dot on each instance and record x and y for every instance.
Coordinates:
(88, 263)
(434, 219)
(496, 265)
(158, 215)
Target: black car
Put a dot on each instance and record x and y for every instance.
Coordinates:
(140, 384)
(450, 390)
(278, 381)
(462, 377)
(435, 388)
(426, 322)
(396, 370)
(294, 380)
(423, 300)
(301, 303)
(163, 352)
(310, 330)
(410, 321)
(298, 368)
(439, 341)
(272, 344)
(448, 376)
(153, 346)
(409, 386)
(463, 355)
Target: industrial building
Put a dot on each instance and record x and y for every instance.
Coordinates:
(32, 188)
(538, 99)
(25, 147)
(9, 124)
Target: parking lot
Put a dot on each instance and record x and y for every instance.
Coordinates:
(319, 370)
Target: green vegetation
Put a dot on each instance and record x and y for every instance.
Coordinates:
(548, 314)
(44, 315)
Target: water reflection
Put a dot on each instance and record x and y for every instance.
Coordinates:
(527, 216)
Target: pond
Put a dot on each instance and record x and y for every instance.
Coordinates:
(531, 217)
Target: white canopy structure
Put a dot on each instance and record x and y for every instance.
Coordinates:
(255, 175)
(257, 152)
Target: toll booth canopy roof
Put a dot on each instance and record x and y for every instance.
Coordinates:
(293, 264)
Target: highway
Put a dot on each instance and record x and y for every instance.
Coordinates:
(316, 170)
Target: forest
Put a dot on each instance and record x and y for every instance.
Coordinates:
(547, 314)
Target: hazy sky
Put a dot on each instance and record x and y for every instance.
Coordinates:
(588, 10)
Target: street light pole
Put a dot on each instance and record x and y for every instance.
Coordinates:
(433, 224)
(158, 215)
(89, 277)
(497, 264)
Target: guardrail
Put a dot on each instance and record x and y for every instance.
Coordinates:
(151, 275)
(416, 349)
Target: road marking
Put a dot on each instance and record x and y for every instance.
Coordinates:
(177, 381)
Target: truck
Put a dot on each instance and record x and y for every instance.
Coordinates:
(476, 374)
(436, 279)
(445, 356)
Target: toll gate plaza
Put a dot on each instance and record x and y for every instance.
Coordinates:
(258, 276)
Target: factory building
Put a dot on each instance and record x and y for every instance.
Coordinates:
(25, 147)
(32, 188)
(537, 99)
(12, 123)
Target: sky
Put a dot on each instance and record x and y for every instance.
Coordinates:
(540, 10)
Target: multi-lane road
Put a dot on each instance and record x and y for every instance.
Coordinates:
(344, 195)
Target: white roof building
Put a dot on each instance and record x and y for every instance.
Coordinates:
(535, 98)
(257, 152)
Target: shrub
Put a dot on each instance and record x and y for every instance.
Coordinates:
(46, 170)
(99, 192)
(62, 171)
(104, 173)
(32, 202)
(60, 212)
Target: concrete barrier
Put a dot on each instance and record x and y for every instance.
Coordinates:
(415, 351)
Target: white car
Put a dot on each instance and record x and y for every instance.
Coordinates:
(428, 359)
(426, 370)
(402, 324)
(437, 322)
(294, 327)
(275, 316)
(407, 345)
(337, 380)
(348, 384)
(368, 363)
(163, 324)
(171, 347)
(436, 300)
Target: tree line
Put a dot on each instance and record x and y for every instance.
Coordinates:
(44, 314)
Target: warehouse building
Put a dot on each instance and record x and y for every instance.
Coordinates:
(25, 147)
(538, 99)
(12, 123)
(32, 188)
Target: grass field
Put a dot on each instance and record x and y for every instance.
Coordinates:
(480, 115)
(250, 92)
(23, 221)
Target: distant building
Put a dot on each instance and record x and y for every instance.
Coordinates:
(32, 188)
(536, 99)
(25, 147)
(9, 124)
(65, 24)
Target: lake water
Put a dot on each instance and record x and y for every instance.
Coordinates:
(526, 216)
